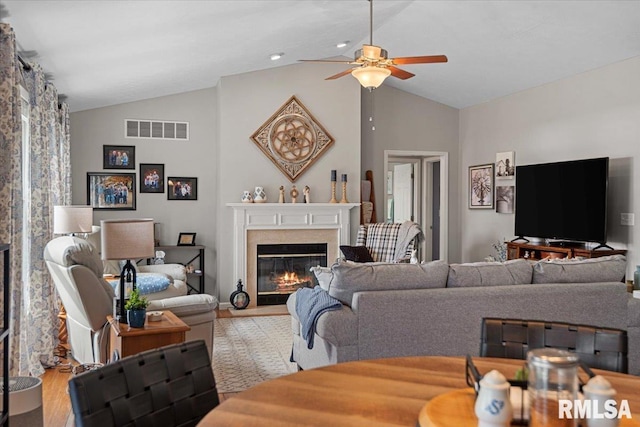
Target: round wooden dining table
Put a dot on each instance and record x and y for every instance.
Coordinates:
(380, 392)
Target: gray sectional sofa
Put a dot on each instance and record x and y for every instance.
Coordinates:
(434, 308)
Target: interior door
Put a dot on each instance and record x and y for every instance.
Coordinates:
(403, 207)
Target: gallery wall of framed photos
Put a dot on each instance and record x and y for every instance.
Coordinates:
(491, 185)
(117, 190)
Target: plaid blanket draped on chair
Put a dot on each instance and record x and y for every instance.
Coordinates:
(381, 240)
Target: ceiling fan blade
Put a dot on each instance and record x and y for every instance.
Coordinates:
(341, 74)
(401, 74)
(419, 59)
(326, 60)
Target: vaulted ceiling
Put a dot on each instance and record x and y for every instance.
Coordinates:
(102, 52)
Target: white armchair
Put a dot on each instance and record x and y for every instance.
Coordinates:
(77, 272)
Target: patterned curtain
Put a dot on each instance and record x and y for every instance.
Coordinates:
(46, 167)
(11, 177)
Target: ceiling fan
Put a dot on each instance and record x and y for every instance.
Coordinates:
(374, 65)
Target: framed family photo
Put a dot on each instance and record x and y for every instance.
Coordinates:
(481, 186)
(187, 239)
(180, 188)
(118, 157)
(151, 178)
(111, 190)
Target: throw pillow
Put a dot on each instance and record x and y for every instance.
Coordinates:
(356, 253)
(323, 275)
(514, 272)
(589, 270)
(146, 283)
(349, 277)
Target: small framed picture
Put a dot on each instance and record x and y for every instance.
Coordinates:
(179, 188)
(114, 191)
(505, 165)
(118, 157)
(481, 186)
(187, 239)
(151, 178)
(504, 198)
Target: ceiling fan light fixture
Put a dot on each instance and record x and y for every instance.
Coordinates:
(370, 76)
(276, 56)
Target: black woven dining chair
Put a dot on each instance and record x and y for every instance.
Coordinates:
(600, 348)
(168, 386)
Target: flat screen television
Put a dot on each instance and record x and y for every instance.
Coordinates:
(563, 200)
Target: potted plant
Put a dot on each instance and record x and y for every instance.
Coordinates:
(136, 307)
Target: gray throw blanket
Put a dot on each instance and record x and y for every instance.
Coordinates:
(407, 232)
(310, 304)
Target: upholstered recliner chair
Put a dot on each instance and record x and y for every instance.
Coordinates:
(77, 271)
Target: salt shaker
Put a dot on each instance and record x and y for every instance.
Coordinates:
(493, 407)
(599, 390)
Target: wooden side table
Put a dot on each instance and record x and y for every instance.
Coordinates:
(127, 341)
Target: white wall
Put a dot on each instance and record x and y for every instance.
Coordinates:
(594, 114)
(245, 102)
(408, 122)
(91, 129)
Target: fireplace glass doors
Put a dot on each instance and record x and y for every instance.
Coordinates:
(284, 268)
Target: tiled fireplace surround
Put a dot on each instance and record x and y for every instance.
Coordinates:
(276, 223)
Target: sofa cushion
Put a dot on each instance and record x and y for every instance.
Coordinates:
(356, 253)
(354, 277)
(633, 312)
(186, 305)
(603, 269)
(323, 275)
(514, 272)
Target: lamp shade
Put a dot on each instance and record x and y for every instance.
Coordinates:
(371, 76)
(72, 219)
(127, 239)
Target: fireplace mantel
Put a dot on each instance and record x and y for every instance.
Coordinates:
(285, 216)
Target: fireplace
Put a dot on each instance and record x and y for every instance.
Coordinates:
(284, 223)
(284, 268)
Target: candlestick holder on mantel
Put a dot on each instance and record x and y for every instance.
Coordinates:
(344, 189)
(333, 187)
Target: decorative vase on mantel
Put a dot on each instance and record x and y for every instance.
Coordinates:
(259, 196)
(247, 197)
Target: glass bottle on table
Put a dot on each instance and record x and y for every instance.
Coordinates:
(552, 381)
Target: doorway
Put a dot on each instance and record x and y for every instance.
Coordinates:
(416, 190)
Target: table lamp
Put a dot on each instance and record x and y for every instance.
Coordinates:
(126, 239)
(72, 219)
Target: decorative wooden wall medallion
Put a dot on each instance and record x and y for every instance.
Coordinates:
(292, 139)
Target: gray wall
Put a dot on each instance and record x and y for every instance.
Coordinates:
(408, 122)
(91, 129)
(594, 114)
(245, 102)
(221, 155)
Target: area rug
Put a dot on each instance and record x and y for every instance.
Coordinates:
(250, 350)
(263, 310)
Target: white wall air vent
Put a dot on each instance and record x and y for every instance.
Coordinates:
(156, 129)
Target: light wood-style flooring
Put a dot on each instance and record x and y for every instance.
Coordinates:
(56, 403)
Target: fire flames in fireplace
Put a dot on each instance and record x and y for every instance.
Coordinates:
(290, 281)
(284, 268)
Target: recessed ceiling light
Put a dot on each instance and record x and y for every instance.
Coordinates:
(276, 56)
(342, 44)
